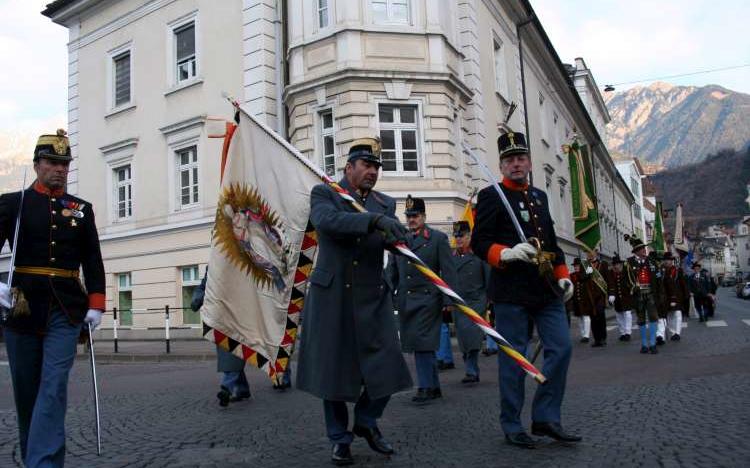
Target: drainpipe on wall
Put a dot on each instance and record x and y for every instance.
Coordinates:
(281, 74)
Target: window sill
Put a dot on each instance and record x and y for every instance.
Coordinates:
(185, 84)
(119, 110)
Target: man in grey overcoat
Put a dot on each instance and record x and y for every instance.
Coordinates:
(418, 301)
(349, 349)
(473, 276)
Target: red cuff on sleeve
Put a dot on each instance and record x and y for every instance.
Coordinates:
(96, 301)
(493, 255)
(561, 271)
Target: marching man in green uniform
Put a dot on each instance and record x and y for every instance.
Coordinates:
(349, 349)
(418, 301)
(47, 301)
(473, 277)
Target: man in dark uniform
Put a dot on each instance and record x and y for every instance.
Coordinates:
(585, 292)
(598, 270)
(349, 349)
(473, 278)
(620, 298)
(644, 282)
(57, 238)
(519, 293)
(676, 295)
(699, 288)
(418, 301)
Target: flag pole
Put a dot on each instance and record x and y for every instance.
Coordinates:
(401, 248)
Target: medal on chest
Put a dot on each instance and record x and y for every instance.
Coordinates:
(525, 215)
(71, 208)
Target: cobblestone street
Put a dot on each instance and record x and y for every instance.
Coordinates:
(687, 406)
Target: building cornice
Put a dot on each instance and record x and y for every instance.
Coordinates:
(183, 124)
(119, 145)
(161, 229)
(378, 75)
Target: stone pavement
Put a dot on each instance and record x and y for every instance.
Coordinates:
(687, 406)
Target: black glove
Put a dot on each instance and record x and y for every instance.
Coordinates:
(391, 228)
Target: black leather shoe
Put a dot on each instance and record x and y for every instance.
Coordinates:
(224, 396)
(622, 338)
(599, 344)
(584, 340)
(434, 393)
(341, 455)
(653, 350)
(374, 439)
(445, 365)
(660, 340)
(644, 350)
(627, 337)
(240, 397)
(675, 337)
(553, 430)
(470, 379)
(521, 439)
(422, 396)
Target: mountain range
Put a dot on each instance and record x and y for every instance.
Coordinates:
(673, 126)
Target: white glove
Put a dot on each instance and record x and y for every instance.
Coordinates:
(611, 300)
(589, 270)
(523, 252)
(94, 317)
(4, 295)
(567, 286)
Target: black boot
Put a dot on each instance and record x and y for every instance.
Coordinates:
(341, 455)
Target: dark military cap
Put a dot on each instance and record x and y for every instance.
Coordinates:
(635, 242)
(511, 143)
(414, 206)
(695, 264)
(616, 259)
(576, 261)
(667, 256)
(460, 228)
(55, 147)
(367, 149)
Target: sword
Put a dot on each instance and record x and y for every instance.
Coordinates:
(96, 393)
(4, 312)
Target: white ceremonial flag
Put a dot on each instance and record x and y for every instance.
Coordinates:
(262, 249)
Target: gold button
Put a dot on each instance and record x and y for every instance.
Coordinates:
(408, 292)
(408, 276)
(52, 274)
(54, 212)
(531, 204)
(536, 216)
(54, 199)
(52, 259)
(54, 226)
(355, 263)
(348, 285)
(52, 243)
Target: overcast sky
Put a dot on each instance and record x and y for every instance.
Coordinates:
(621, 41)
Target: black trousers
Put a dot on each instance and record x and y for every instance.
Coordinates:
(599, 325)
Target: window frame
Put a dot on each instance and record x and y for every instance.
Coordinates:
(389, 12)
(322, 133)
(501, 79)
(398, 127)
(327, 10)
(193, 283)
(125, 316)
(178, 167)
(113, 55)
(173, 27)
(116, 184)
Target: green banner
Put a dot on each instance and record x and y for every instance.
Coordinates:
(657, 240)
(585, 212)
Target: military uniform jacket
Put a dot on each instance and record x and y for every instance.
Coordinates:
(516, 282)
(418, 301)
(676, 290)
(348, 335)
(473, 277)
(585, 295)
(57, 231)
(618, 286)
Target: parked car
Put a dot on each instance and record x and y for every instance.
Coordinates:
(743, 290)
(728, 282)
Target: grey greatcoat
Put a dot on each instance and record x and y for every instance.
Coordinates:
(419, 302)
(472, 282)
(348, 335)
